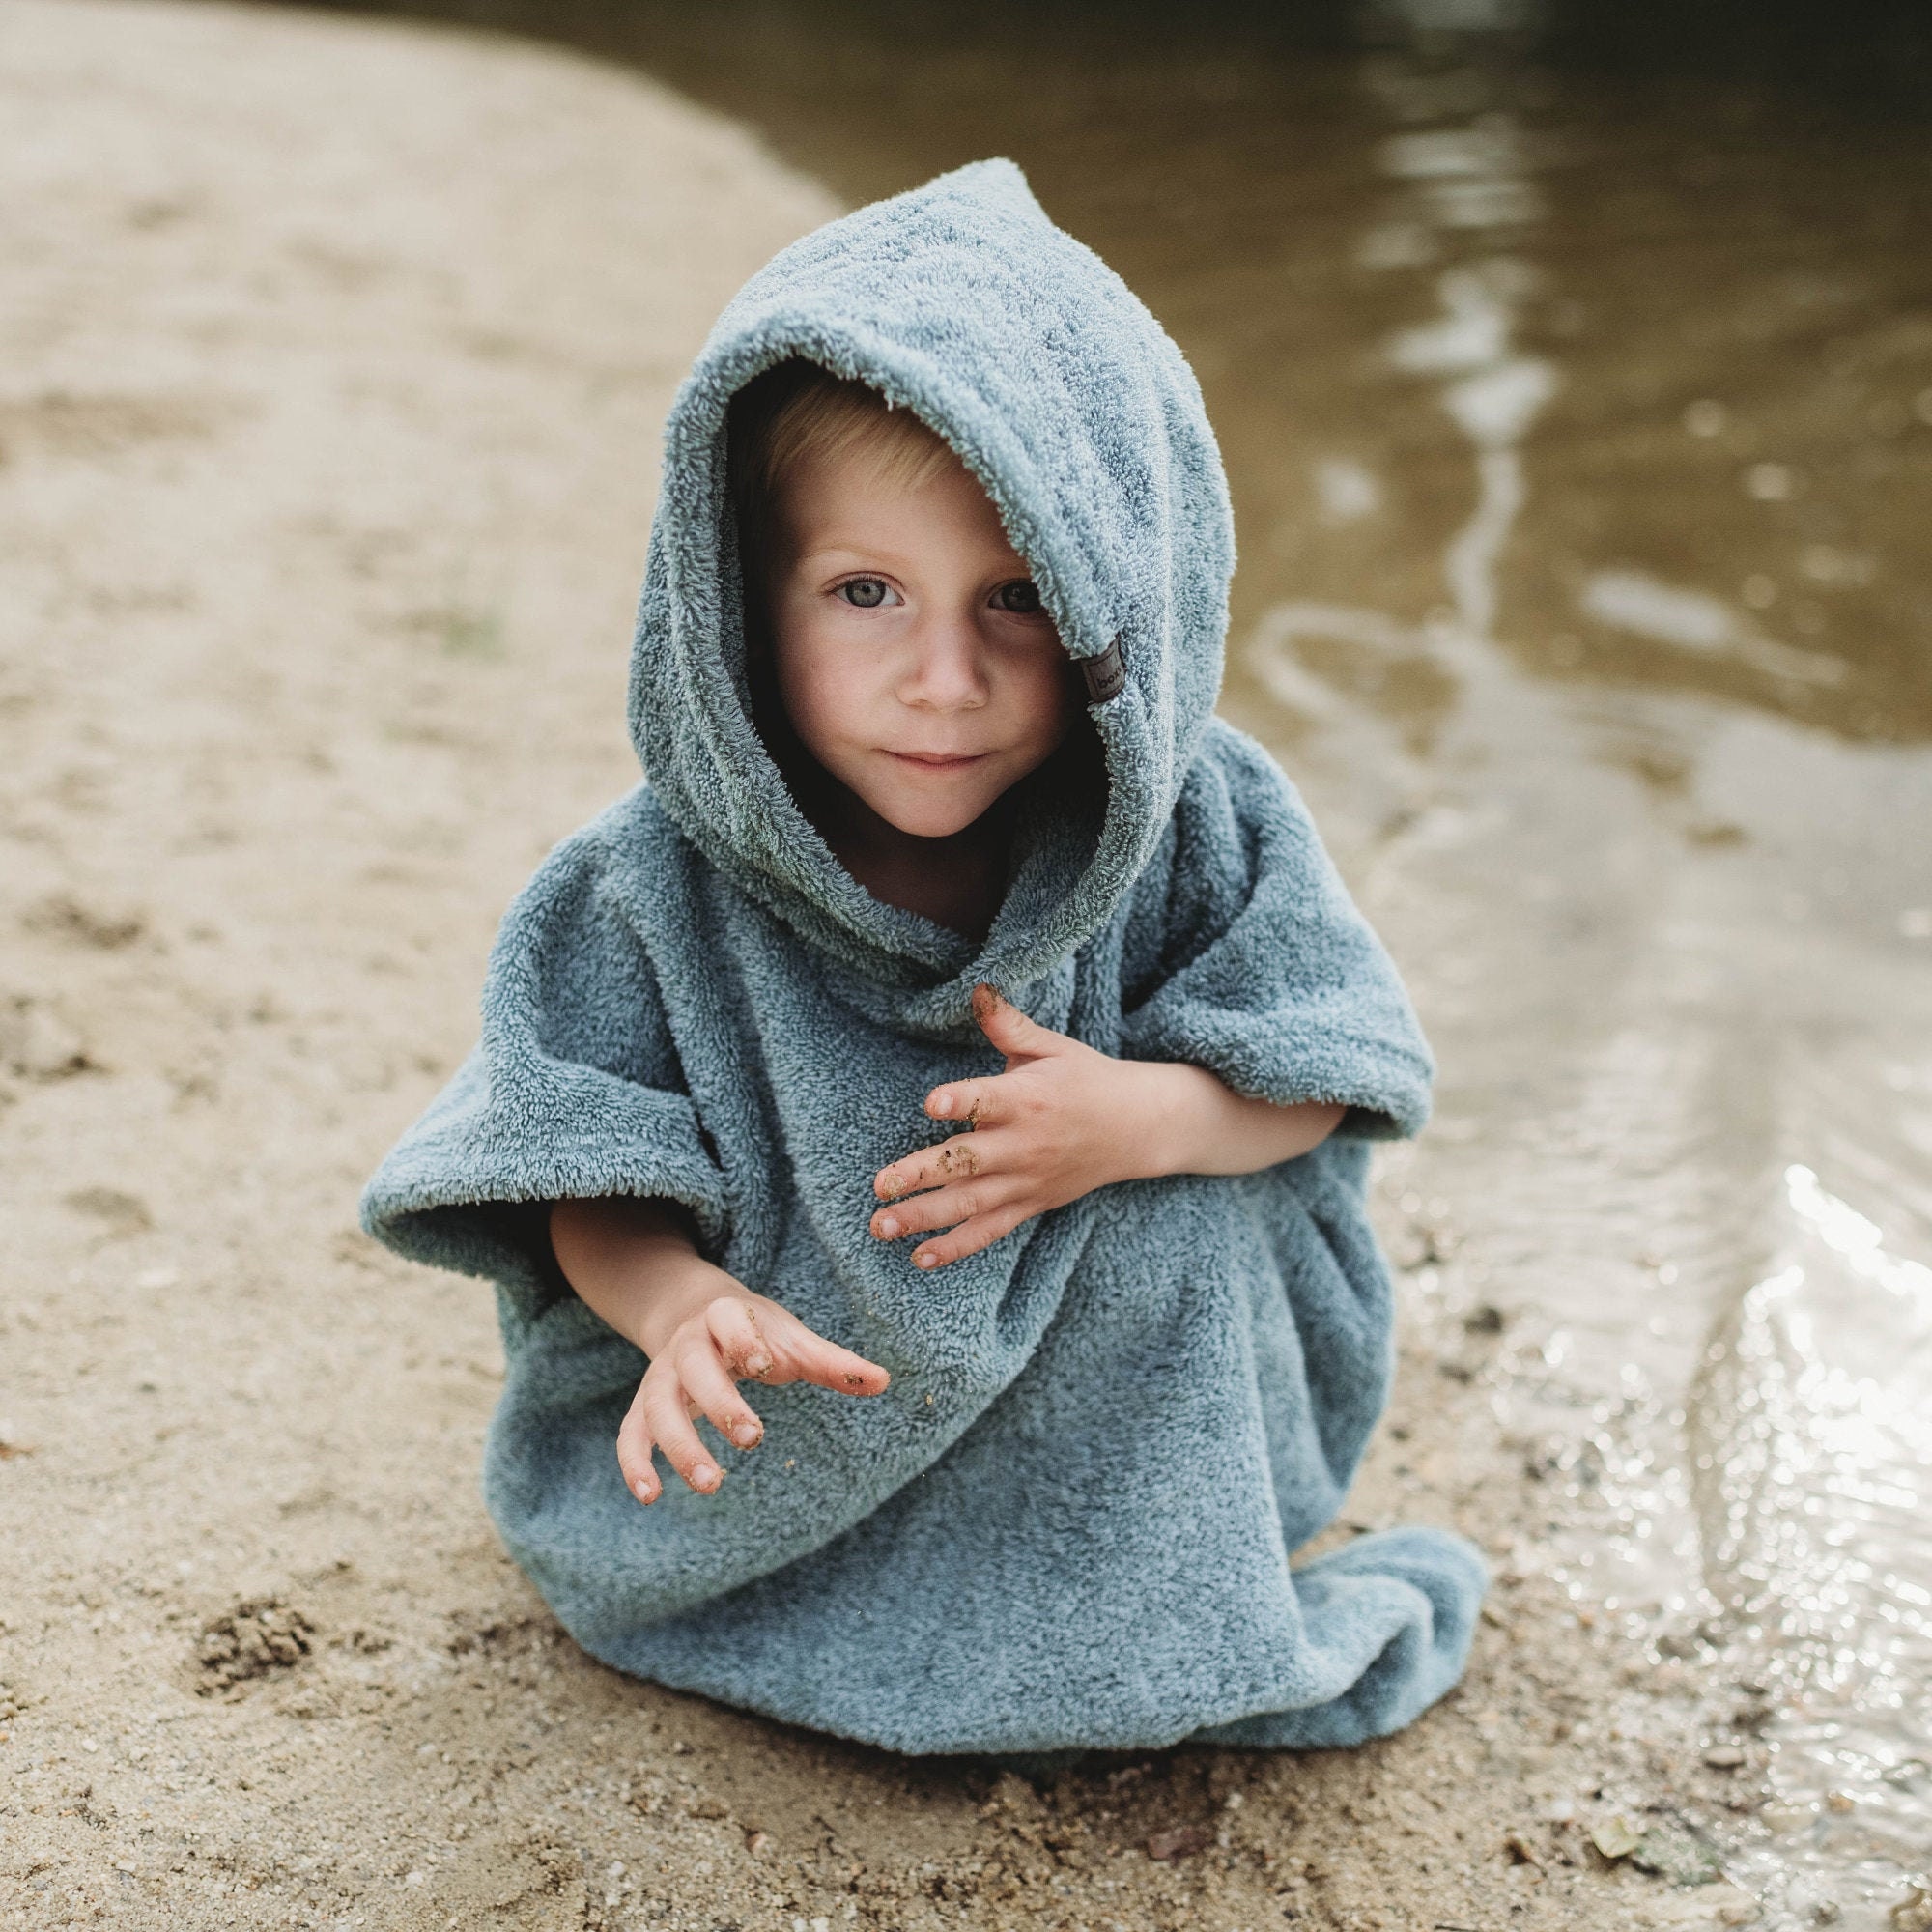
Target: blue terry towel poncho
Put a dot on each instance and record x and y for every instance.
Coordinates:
(1070, 1520)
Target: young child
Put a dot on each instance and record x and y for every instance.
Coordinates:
(964, 1036)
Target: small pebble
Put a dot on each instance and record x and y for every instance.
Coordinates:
(1913, 1913)
(1179, 1842)
(1615, 1838)
(1724, 1757)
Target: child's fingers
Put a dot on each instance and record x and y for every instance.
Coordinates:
(714, 1393)
(962, 1156)
(670, 1427)
(943, 1207)
(811, 1358)
(742, 1347)
(969, 1237)
(634, 1453)
(1013, 1033)
(977, 1102)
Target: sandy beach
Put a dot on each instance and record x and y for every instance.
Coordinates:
(332, 356)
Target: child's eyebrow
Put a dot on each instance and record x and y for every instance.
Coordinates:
(826, 552)
(850, 553)
(843, 555)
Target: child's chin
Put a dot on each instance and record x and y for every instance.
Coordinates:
(929, 817)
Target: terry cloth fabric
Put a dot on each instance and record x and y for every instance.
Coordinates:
(1069, 1521)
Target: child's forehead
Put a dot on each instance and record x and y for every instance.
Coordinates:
(856, 493)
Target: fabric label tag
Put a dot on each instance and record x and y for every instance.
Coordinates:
(1105, 674)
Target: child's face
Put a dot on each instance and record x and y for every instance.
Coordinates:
(914, 659)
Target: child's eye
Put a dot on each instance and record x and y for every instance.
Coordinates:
(867, 593)
(1021, 597)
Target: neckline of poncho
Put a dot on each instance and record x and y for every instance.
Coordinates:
(927, 984)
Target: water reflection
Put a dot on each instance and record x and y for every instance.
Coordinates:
(1813, 1460)
(1693, 620)
(1463, 178)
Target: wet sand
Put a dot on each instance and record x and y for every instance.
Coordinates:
(326, 456)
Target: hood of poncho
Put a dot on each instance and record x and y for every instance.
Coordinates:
(961, 301)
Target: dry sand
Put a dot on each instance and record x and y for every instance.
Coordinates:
(332, 365)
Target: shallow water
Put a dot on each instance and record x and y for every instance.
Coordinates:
(1575, 376)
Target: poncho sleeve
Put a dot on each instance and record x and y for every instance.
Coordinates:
(574, 1089)
(1249, 957)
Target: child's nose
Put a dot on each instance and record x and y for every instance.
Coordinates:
(946, 672)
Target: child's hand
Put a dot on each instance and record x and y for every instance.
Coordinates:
(724, 1339)
(1059, 1122)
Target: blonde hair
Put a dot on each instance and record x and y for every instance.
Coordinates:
(798, 411)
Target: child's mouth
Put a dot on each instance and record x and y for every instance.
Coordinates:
(937, 761)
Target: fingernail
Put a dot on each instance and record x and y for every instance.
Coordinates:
(942, 1103)
(888, 1229)
(645, 1492)
(746, 1434)
(758, 1365)
(704, 1475)
(924, 1260)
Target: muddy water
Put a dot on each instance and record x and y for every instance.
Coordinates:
(1578, 398)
